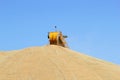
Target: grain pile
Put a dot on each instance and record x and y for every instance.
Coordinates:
(54, 63)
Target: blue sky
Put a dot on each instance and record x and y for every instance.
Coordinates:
(92, 26)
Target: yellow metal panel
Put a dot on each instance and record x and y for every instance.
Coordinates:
(53, 36)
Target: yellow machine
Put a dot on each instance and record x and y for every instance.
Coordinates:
(57, 38)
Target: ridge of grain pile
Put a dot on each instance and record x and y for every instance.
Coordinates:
(54, 63)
